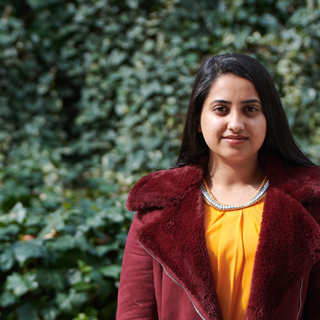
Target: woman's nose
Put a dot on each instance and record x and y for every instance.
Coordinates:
(235, 122)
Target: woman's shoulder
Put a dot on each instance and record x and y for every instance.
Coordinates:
(304, 175)
(162, 188)
(302, 183)
(307, 183)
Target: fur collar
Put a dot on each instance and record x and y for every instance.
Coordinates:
(289, 241)
(168, 187)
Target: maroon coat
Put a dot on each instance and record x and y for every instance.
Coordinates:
(166, 272)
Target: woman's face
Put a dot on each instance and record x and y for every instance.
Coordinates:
(232, 120)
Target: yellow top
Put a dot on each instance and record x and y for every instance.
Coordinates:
(232, 239)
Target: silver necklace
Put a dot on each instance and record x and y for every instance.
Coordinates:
(210, 200)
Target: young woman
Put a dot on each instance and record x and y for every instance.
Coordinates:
(232, 231)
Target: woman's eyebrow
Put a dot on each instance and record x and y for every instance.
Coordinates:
(221, 101)
(251, 101)
(229, 102)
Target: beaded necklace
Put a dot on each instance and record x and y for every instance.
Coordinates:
(212, 201)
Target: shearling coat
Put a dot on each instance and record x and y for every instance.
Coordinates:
(166, 272)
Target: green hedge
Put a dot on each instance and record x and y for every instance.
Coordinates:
(92, 96)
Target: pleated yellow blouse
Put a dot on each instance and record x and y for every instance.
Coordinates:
(232, 239)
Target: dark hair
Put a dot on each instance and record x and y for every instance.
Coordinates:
(279, 141)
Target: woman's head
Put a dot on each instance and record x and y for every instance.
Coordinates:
(278, 141)
(232, 121)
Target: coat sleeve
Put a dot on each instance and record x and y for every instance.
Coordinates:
(311, 310)
(136, 296)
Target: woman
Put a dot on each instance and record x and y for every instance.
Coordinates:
(232, 231)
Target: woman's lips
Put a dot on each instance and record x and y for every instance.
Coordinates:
(235, 139)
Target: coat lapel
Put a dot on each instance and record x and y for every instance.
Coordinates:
(176, 239)
(289, 241)
(289, 245)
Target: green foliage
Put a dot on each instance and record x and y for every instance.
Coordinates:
(93, 95)
(60, 263)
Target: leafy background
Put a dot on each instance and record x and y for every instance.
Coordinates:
(93, 95)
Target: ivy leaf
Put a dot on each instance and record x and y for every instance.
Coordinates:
(112, 271)
(9, 232)
(51, 279)
(69, 242)
(104, 249)
(7, 259)
(27, 312)
(19, 211)
(31, 249)
(7, 298)
(70, 301)
(115, 215)
(49, 312)
(19, 285)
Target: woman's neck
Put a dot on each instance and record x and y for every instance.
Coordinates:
(234, 183)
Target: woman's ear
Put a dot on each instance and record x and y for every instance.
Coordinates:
(199, 127)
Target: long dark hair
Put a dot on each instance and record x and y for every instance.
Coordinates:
(279, 141)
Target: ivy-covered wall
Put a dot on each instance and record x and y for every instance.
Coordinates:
(93, 95)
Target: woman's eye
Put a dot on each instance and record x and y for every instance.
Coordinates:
(251, 109)
(220, 109)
